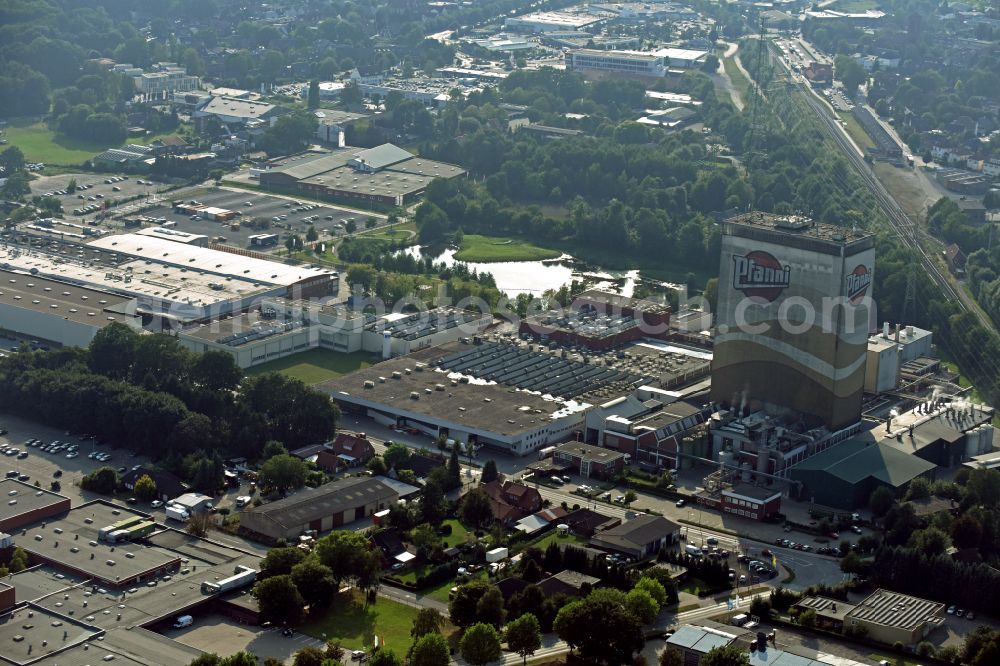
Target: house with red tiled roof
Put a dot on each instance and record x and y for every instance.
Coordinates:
(353, 449)
(511, 501)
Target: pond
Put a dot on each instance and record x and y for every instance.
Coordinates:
(537, 277)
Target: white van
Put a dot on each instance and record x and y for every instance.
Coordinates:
(693, 550)
(242, 501)
(183, 621)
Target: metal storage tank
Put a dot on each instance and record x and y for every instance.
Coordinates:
(745, 472)
(972, 442)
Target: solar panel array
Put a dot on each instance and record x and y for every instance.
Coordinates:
(534, 371)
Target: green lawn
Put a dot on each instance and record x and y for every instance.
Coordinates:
(554, 537)
(41, 144)
(394, 233)
(740, 82)
(356, 625)
(855, 130)
(441, 591)
(492, 248)
(458, 533)
(315, 365)
(895, 661)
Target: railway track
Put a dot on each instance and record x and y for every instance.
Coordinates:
(898, 220)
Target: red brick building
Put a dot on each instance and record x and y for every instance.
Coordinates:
(354, 446)
(26, 504)
(746, 501)
(511, 501)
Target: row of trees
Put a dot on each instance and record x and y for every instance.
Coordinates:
(148, 394)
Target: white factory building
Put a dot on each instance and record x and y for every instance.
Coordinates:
(552, 21)
(654, 63)
(40, 309)
(284, 327)
(173, 283)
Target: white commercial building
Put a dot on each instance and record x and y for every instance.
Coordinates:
(38, 308)
(553, 21)
(284, 327)
(640, 63)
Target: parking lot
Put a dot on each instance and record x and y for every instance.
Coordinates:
(281, 215)
(42, 467)
(223, 635)
(92, 188)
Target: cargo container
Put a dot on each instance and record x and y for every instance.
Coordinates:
(496, 555)
(141, 530)
(120, 525)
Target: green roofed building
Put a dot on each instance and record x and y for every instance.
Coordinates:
(844, 476)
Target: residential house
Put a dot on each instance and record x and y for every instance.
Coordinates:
(584, 522)
(641, 537)
(167, 485)
(569, 583)
(511, 501)
(353, 449)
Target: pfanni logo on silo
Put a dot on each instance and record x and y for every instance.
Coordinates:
(858, 282)
(759, 275)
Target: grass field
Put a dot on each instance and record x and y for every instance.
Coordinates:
(554, 537)
(356, 625)
(492, 248)
(41, 144)
(740, 83)
(395, 233)
(315, 365)
(855, 130)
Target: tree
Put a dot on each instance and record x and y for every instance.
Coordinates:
(671, 657)
(385, 657)
(630, 497)
(310, 655)
(930, 541)
(480, 644)
(919, 488)
(18, 560)
(198, 524)
(313, 98)
(145, 488)
(102, 480)
(12, 159)
(427, 621)
(426, 539)
(283, 472)
(807, 618)
(454, 469)
(620, 636)
(112, 351)
(311, 234)
(377, 466)
(654, 588)
(396, 456)
(881, 501)
(279, 600)
(966, 531)
(476, 509)
(350, 226)
(489, 608)
(524, 636)
(273, 447)
(462, 607)
(849, 72)
(347, 554)
(432, 502)
(430, 650)
(371, 223)
(289, 134)
(315, 583)
(216, 371)
(279, 561)
(725, 655)
(642, 605)
(490, 472)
